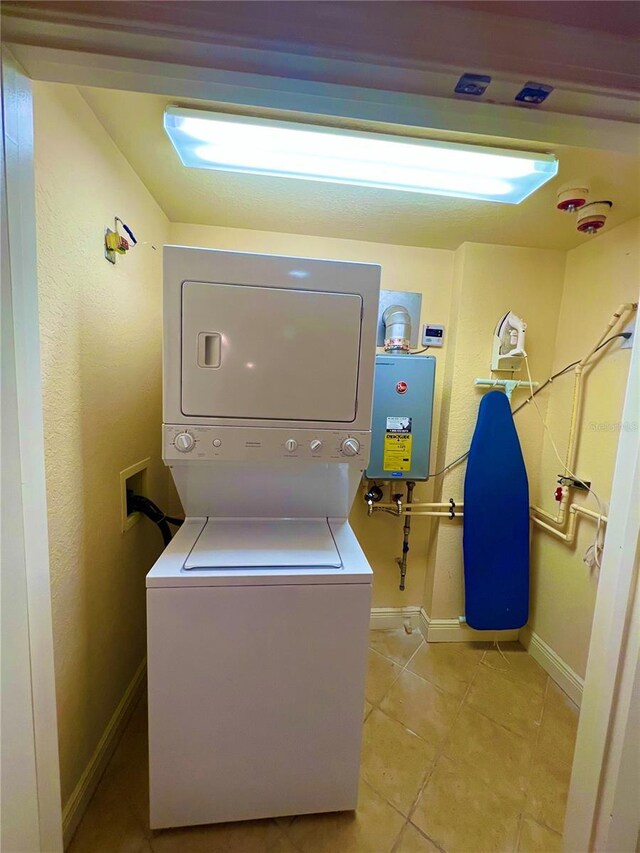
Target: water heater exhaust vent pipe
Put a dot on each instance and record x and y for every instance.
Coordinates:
(397, 329)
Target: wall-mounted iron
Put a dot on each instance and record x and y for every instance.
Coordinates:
(508, 343)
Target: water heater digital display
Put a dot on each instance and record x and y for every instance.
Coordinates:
(402, 416)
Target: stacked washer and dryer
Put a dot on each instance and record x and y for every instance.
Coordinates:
(258, 610)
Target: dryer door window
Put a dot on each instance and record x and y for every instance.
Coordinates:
(266, 353)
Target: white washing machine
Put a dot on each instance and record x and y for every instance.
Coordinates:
(258, 610)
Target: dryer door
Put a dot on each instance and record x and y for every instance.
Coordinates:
(269, 353)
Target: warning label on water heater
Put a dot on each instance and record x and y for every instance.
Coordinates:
(397, 445)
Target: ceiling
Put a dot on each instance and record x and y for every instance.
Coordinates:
(207, 197)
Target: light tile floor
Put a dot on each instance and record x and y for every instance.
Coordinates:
(464, 751)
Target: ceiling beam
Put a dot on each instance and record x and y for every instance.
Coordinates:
(419, 37)
(425, 115)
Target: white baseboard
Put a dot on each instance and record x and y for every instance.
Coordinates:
(88, 782)
(394, 617)
(454, 631)
(553, 664)
(433, 630)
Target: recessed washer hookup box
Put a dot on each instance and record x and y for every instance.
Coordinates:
(402, 417)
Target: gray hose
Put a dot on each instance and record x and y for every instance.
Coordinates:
(402, 562)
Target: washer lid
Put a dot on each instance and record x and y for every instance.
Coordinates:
(242, 543)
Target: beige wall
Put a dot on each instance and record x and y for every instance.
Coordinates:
(101, 365)
(600, 275)
(427, 271)
(489, 280)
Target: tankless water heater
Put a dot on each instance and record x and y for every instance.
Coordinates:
(402, 416)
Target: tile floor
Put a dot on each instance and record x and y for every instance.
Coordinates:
(463, 751)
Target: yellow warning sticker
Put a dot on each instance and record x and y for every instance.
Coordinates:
(397, 452)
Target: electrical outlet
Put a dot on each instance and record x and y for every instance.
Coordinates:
(585, 485)
(630, 327)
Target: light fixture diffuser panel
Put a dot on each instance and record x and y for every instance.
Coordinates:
(255, 146)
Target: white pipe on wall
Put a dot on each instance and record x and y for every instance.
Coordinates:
(418, 503)
(411, 510)
(438, 514)
(537, 512)
(574, 511)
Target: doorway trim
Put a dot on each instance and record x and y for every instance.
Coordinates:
(610, 640)
(25, 574)
(596, 803)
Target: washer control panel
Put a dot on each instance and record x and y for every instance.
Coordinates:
(239, 444)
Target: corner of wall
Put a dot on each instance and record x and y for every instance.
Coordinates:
(445, 410)
(488, 281)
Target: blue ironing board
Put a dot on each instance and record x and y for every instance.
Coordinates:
(496, 521)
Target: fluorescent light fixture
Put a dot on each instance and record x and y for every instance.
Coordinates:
(256, 146)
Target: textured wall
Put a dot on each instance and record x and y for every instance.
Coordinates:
(489, 281)
(428, 271)
(101, 365)
(600, 275)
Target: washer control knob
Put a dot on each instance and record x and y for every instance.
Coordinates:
(184, 442)
(291, 444)
(216, 442)
(315, 445)
(350, 447)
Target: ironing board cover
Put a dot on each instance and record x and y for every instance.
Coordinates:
(496, 521)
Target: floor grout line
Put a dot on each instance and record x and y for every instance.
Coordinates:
(501, 725)
(402, 669)
(502, 672)
(404, 726)
(439, 752)
(397, 662)
(286, 835)
(422, 643)
(407, 823)
(438, 749)
(534, 749)
(516, 846)
(430, 683)
(428, 837)
(540, 822)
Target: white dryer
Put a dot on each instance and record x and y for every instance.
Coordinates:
(258, 610)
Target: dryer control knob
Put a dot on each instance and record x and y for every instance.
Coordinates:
(315, 445)
(184, 442)
(291, 444)
(350, 447)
